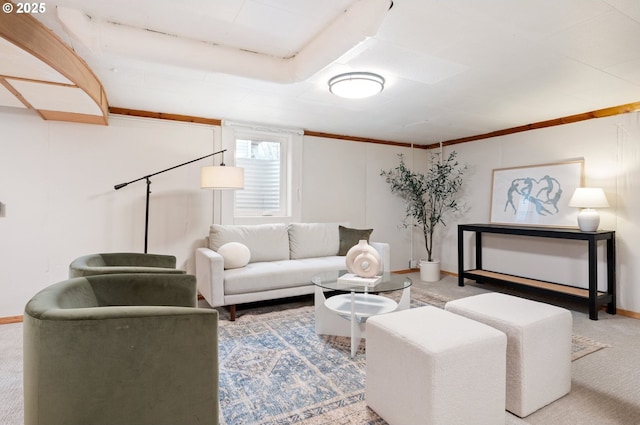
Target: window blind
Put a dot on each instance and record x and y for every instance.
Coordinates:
(262, 177)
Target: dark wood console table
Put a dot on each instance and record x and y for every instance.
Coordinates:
(594, 297)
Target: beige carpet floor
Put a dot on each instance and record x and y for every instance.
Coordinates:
(605, 383)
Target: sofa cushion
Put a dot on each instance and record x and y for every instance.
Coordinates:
(350, 237)
(310, 240)
(266, 242)
(271, 275)
(235, 255)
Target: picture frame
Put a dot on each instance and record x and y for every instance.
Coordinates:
(536, 195)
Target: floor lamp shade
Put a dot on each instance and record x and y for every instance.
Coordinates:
(222, 177)
(588, 198)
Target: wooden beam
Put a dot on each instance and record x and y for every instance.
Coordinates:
(599, 113)
(73, 117)
(360, 139)
(27, 33)
(7, 85)
(164, 116)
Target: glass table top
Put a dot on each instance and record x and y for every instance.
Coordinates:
(390, 282)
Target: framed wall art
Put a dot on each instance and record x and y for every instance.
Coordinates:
(536, 195)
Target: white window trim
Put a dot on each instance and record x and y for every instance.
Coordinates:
(292, 160)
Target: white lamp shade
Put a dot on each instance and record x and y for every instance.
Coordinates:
(222, 177)
(588, 197)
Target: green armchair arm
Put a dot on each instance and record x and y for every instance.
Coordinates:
(123, 262)
(89, 362)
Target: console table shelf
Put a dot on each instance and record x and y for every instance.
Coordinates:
(592, 296)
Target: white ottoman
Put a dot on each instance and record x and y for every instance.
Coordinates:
(538, 347)
(429, 366)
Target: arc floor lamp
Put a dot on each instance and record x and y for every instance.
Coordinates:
(211, 177)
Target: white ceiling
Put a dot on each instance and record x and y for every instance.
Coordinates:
(453, 68)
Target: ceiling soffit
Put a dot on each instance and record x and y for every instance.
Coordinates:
(40, 72)
(358, 22)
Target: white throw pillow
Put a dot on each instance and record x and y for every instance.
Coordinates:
(235, 255)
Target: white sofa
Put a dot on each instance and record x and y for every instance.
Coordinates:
(282, 259)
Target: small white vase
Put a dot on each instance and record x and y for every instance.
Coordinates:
(430, 270)
(363, 260)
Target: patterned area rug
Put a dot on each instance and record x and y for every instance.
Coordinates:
(274, 369)
(583, 346)
(292, 377)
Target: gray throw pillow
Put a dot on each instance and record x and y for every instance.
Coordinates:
(350, 237)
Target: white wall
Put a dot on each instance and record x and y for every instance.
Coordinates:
(610, 148)
(342, 183)
(56, 180)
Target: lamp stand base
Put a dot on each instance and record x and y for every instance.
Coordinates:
(588, 220)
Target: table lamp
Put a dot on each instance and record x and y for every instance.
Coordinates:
(588, 198)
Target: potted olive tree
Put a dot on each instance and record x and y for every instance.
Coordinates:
(428, 197)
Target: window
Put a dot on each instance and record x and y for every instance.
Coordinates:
(272, 162)
(265, 176)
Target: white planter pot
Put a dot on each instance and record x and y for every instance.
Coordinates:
(430, 270)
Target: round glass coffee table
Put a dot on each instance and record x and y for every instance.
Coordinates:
(355, 303)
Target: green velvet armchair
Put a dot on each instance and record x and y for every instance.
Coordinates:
(120, 349)
(123, 262)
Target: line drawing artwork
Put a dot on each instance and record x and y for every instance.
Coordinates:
(543, 194)
(536, 195)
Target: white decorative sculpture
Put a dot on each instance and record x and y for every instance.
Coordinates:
(363, 260)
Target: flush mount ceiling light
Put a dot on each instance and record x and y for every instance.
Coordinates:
(356, 85)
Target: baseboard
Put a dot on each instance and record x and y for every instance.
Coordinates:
(405, 271)
(10, 319)
(628, 313)
(418, 270)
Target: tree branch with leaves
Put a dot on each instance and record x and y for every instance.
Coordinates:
(427, 197)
